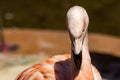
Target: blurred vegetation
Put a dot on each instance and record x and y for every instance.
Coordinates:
(51, 14)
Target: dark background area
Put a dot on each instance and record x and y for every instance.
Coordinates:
(51, 14)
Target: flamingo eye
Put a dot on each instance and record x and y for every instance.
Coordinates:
(83, 30)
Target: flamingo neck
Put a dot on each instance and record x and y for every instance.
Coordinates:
(85, 60)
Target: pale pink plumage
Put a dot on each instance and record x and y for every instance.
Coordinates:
(64, 67)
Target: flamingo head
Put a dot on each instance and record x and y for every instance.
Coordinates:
(77, 25)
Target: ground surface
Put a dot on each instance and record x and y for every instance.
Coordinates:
(36, 45)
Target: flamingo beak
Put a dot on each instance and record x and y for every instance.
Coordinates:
(77, 52)
(77, 46)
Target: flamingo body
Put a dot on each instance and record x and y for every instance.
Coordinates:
(74, 66)
(55, 68)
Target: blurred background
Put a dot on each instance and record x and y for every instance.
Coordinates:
(51, 14)
(31, 30)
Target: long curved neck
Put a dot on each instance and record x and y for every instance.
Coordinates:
(84, 59)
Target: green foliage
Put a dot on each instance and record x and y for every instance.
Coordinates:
(51, 14)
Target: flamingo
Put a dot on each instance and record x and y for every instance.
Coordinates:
(74, 66)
